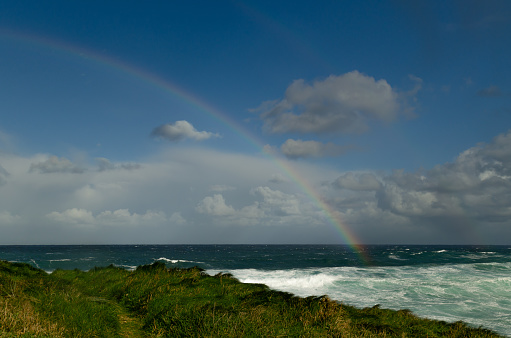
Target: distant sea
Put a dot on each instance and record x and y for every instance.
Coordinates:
(450, 283)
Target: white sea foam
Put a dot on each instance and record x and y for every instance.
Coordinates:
(127, 267)
(175, 261)
(447, 292)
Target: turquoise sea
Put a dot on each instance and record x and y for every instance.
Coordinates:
(450, 283)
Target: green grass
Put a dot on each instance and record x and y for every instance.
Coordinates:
(154, 301)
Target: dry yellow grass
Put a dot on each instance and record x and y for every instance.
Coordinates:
(19, 317)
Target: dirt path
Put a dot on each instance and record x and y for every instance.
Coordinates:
(130, 326)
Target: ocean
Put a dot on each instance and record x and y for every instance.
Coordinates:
(450, 283)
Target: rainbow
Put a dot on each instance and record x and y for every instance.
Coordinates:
(163, 84)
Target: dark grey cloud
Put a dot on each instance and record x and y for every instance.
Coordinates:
(56, 165)
(342, 104)
(181, 130)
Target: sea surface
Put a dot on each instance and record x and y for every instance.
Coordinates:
(450, 283)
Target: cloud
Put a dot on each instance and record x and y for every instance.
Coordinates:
(176, 218)
(477, 185)
(358, 182)
(295, 149)
(214, 205)
(492, 91)
(271, 208)
(221, 188)
(6, 218)
(270, 150)
(276, 202)
(3, 175)
(72, 216)
(178, 182)
(219, 197)
(56, 165)
(181, 130)
(338, 104)
(418, 85)
(105, 164)
(467, 200)
(120, 217)
(278, 178)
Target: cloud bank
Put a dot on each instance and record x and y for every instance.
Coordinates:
(467, 200)
(194, 195)
(120, 218)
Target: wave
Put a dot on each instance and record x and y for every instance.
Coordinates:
(175, 261)
(87, 258)
(397, 258)
(127, 267)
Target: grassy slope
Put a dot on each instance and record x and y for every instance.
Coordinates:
(157, 302)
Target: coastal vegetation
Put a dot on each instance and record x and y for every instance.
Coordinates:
(154, 301)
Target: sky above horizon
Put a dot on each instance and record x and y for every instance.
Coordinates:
(198, 122)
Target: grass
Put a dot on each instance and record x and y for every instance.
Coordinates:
(154, 301)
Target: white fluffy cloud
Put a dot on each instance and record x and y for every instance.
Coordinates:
(295, 149)
(72, 216)
(344, 103)
(215, 205)
(270, 207)
(181, 130)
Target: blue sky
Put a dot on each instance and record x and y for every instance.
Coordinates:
(255, 122)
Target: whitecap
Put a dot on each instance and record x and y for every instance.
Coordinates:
(397, 258)
(175, 261)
